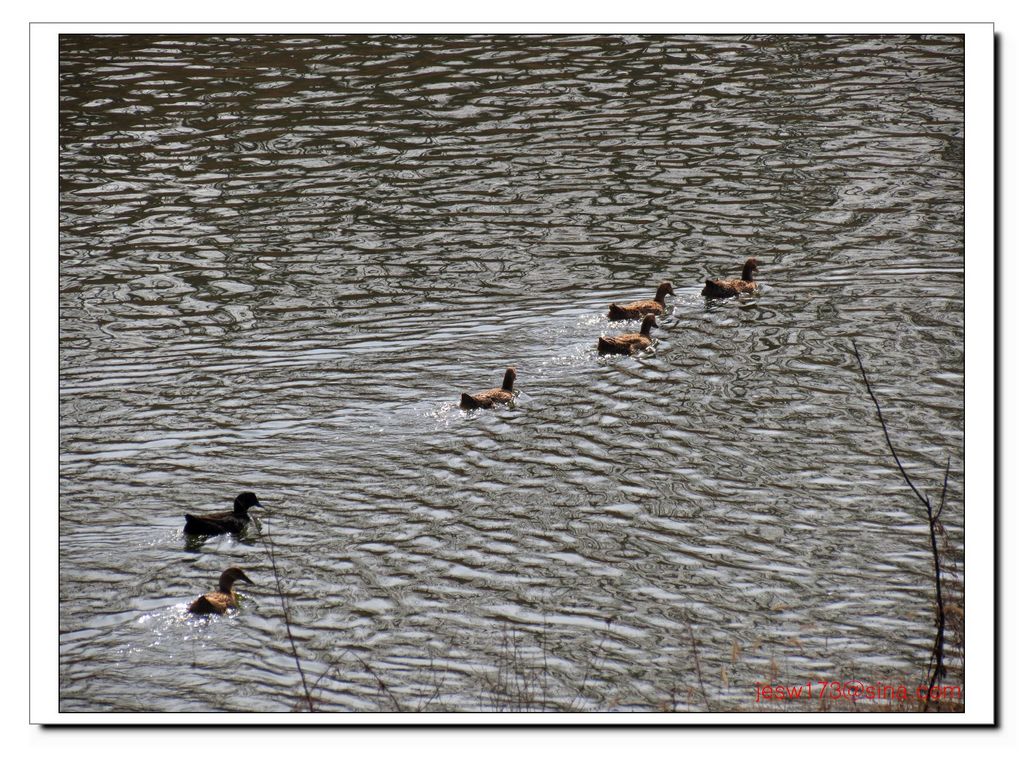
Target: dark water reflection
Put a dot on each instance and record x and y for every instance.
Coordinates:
(283, 258)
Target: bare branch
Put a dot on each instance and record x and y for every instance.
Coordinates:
(696, 660)
(885, 430)
(936, 667)
(380, 683)
(268, 546)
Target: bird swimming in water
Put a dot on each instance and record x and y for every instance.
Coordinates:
(730, 287)
(643, 307)
(626, 344)
(488, 398)
(224, 598)
(221, 523)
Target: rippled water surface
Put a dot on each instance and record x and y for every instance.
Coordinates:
(284, 258)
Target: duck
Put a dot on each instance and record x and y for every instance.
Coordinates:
(224, 598)
(626, 344)
(221, 523)
(488, 398)
(643, 307)
(730, 287)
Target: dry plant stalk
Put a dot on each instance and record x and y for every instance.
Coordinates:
(268, 546)
(936, 669)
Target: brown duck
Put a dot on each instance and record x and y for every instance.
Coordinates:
(642, 308)
(488, 398)
(221, 523)
(730, 287)
(627, 344)
(220, 601)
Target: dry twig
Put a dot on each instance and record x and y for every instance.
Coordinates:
(268, 546)
(936, 669)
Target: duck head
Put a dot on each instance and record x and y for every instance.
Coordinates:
(510, 377)
(664, 288)
(244, 502)
(229, 576)
(748, 269)
(650, 322)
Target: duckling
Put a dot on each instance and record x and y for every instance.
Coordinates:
(627, 344)
(642, 308)
(220, 601)
(220, 523)
(730, 287)
(488, 398)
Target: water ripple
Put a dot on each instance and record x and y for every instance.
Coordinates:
(283, 259)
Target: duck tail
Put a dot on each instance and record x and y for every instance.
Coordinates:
(468, 402)
(203, 606)
(604, 345)
(710, 289)
(616, 313)
(195, 525)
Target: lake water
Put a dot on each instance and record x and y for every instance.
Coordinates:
(283, 258)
